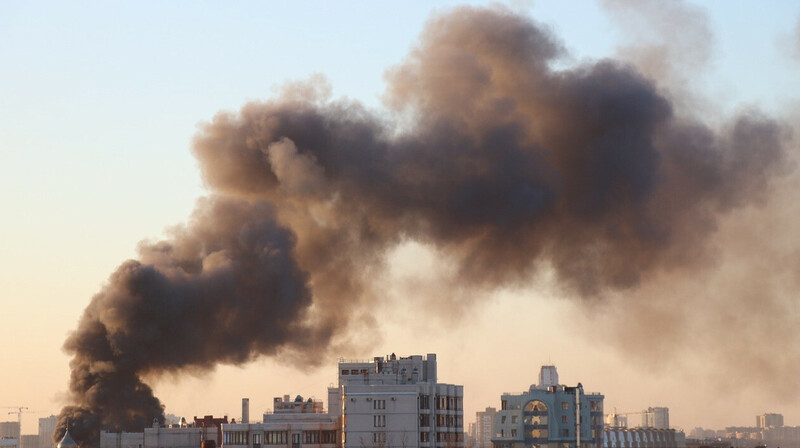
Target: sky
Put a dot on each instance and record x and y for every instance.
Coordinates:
(99, 105)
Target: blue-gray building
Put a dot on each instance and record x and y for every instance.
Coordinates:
(549, 415)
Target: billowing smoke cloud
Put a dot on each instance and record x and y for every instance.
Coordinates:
(225, 288)
(502, 164)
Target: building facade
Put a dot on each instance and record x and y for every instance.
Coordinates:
(293, 423)
(643, 438)
(47, 427)
(483, 427)
(549, 415)
(9, 430)
(398, 403)
(765, 421)
(657, 418)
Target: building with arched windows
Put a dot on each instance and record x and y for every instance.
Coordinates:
(549, 415)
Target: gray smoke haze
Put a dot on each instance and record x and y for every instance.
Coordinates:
(670, 43)
(502, 164)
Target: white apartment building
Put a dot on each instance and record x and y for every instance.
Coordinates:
(386, 402)
(398, 403)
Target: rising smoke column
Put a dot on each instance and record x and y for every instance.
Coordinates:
(502, 163)
(224, 288)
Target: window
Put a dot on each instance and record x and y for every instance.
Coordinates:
(539, 434)
(423, 436)
(275, 437)
(564, 419)
(513, 433)
(502, 419)
(596, 406)
(536, 420)
(535, 406)
(378, 404)
(345, 372)
(566, 432)
(565, 405)
(257, 438)
(378, 437)
(328, 436)
(311, 437)
(363, 371)
(513, 419)
(379, 421)
(503, 405)
(425, 420)
(424, 401)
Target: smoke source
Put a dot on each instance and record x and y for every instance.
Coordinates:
(502, 163)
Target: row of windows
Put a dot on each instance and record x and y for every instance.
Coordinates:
(449, 421)
(378, 404)
(442, 403)
(449, 436)
(355, 372)
(278, 437)
(534, 433)
(529, 419)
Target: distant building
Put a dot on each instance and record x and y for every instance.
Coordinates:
(657, 418)
(183, 435)
(549, 415)
(47, 426)
(9, 430)
(293, 423)
(483, 427)
(764, 421)
(29, 441)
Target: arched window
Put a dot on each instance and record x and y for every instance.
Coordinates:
(535, 405)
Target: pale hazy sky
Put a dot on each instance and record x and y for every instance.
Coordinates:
(99, 103)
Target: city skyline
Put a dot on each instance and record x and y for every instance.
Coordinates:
(105, 105)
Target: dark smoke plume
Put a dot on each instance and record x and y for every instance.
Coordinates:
(500, 162)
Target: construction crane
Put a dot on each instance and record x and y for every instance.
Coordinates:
(19, 410)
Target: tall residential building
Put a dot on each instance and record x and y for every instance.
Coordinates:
(386, 402)
(397, 403)
(657, 418)
(47, 426)
(483, 427)
(764, 421)
(549, 415)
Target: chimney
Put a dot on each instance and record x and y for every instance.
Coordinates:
(245, 410)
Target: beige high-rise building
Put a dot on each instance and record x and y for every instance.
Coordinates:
(483, 427)
(47, 426)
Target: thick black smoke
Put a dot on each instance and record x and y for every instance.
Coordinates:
(502, 163)
(223, 289)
